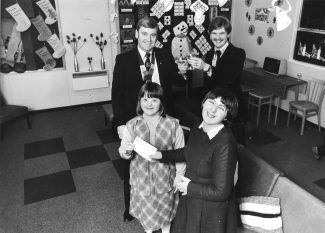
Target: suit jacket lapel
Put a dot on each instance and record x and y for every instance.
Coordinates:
(159, 61)
(135, 62)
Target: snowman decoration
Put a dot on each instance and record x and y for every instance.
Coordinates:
(181, 44)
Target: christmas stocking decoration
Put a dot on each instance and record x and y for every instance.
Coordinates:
(199, 8)
(46, 57)
(44, 31)
(59, 49)
(13, 45)
(49, 11)
(21, 18)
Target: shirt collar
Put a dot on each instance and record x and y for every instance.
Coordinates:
(224, 47)
(213, 132)
(143, 53)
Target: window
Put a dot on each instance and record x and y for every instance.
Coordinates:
(310, 40)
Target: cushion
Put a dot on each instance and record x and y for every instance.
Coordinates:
(261, 214)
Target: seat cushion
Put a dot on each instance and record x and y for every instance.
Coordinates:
(8, 112)
(304, 105)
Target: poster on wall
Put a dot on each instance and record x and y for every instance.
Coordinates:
(310, 48)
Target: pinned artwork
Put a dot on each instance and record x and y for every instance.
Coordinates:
(248, 3)
(165, 35)
(160, 25)
(22, 21)
(179, 8)
(167, 20)
(49, 11)
(125, 3)
(251, 30)
(213, 2)
(270, 32)
(259, 40)
(187, 4)
(158, 44)
(200, 28)
(262, 15)
(142, 2)
(158, 9)
(46, 57)
(190, 20)
(181, 28)
(199, 8)
(192, 34)
(43, 30)
(203, 45)
(56, 44)
(168, 4)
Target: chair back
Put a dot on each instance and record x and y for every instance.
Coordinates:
(316, 91)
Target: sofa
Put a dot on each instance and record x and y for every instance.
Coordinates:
(301, 212)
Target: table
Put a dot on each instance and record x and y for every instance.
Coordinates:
(278, 85)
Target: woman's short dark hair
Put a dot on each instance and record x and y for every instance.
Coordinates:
(147, 22)
(227, 98)
(220, 22)
(153, 90)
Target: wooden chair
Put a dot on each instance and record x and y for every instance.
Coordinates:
(311, 105)
(10, 112)
(258, 98)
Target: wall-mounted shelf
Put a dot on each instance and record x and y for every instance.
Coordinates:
(90, 80)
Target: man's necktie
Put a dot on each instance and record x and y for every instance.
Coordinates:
(216, 58)
(147, 63)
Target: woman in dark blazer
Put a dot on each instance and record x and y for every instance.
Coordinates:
(210, 155)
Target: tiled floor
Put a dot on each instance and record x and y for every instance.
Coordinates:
(64, 175)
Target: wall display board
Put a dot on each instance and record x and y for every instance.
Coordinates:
(180, 22)
(31, 36)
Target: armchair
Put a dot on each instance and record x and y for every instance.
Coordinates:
(10, 112)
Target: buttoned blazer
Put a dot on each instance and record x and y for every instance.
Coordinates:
(127, 81)
(228, 70)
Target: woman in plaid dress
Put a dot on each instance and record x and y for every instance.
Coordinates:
(153, 199)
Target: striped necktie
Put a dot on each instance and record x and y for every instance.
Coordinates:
(147, 63)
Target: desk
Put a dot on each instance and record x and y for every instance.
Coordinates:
(278, 85)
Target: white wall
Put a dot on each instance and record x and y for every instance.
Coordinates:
(280, 46)
(50, 89)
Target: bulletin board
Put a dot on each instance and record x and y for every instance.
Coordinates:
(176, 13)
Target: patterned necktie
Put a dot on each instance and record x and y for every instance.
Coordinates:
(147, 63)
(216, 60)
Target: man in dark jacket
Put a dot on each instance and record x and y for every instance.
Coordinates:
(132, 69)
(223, 68)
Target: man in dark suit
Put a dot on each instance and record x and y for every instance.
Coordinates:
(132, 69)
(223, 68)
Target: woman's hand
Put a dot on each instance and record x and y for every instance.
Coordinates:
(126, 149)
(182, 184)
(156, 155)
(197, 63)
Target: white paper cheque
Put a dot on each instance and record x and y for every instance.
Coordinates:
(143, 148)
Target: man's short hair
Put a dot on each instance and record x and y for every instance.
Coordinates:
(220, 22)
(147, 22)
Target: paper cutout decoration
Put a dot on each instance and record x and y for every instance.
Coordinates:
(56, 44)
(259, 40)
(23, 23)
(270, 32)
(165, 35)
(199, 8)
(158, 44)
(46, 57)
(13, 45)
(167, 20)
(160, 25)
(44, 31)
(168, 5)
(158, 9)
(213, 2)
(203, 45)
(49, 11)
(190, 20)
(222, 2)
(179, 8)
(140, 2)
(282, 19)
(187, 4)
(181, 44)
